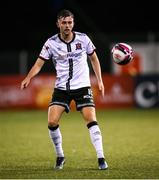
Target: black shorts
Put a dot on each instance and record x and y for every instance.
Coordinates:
(83, 97)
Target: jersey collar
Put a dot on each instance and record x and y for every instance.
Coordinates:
(65, 41)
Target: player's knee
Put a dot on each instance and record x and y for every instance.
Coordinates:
(52, 122)
(89, 117)
(89, 114)
(88, 121)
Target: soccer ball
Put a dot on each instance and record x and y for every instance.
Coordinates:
(122, 53)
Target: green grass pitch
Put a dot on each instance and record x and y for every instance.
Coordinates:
(130, 139)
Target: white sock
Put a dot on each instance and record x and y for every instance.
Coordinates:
(56, 138)
(96, 139)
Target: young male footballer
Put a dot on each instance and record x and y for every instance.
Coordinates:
(68, 51)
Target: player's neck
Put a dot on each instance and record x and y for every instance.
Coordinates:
(67, 37)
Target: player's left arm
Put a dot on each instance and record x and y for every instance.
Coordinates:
(97, 69)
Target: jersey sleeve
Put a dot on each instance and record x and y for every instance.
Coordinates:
(90, 48)
(45, 53)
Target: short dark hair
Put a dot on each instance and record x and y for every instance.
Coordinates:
(64, 13)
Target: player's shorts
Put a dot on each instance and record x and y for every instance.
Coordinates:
(83, 97)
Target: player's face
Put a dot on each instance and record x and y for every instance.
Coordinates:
(65, 24)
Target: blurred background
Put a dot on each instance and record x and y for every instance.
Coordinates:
(26, 25)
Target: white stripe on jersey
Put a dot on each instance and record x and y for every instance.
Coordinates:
(70, 60)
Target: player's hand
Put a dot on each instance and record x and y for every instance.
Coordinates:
(25, 83)
(101, 88)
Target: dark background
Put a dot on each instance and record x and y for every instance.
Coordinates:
(25, 25)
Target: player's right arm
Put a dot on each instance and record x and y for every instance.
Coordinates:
(33, 71)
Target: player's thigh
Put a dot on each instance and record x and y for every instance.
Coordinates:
(61, 98)
(84, 98)
(89, 114)
(54, 113)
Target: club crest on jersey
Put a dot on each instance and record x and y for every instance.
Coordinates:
(78, 46)
(46, 47)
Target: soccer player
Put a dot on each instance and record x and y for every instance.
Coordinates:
(68, 51)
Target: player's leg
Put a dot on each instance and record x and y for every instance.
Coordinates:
(54, 114)
(95, 134)
(85, 103)
(59, 103)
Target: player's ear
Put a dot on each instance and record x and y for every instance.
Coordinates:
(57, 24)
